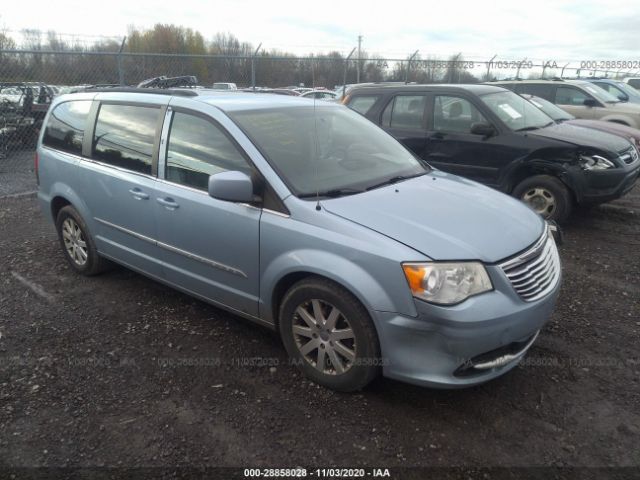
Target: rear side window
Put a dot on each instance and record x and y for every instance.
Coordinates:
(125, 136)
(65, 128)
(198, 148)
(570, 96)
(363, 103)
(406, 112)
(635, 83)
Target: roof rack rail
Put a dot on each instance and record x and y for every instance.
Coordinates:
(169, 82)
(157, 91)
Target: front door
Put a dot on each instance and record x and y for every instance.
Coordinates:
(453, 148)
(210, 247)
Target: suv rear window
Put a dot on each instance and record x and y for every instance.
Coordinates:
(65, 127)
(363, 103)
(125, 136)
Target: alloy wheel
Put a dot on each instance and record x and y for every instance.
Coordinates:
(324, 337)
(74, 241)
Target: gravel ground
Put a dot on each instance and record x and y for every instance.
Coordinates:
(120, 371)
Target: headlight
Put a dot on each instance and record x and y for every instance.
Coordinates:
(595, 162)
(446, 283)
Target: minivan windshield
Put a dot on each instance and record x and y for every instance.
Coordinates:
(329, 150)
(549, 108)
(516, 112)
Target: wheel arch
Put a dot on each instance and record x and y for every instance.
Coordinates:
(344, 273)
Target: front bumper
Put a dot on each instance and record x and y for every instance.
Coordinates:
(466, 344)
(606, 185)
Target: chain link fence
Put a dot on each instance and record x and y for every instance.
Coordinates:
(30, 79)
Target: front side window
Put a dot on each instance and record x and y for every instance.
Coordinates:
(363, 103)
(327, 150)
(198, 148)
(455, 114)
(405, 112)
(65, 127)
(125, 136)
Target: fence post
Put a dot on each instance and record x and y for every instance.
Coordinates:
(120, 69)
(406, 72)
(519, 66)
(489, 64)
(253, 67)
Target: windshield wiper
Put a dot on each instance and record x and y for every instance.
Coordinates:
(335, 192)
(395, 179)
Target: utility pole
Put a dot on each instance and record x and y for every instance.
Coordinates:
(359, 56)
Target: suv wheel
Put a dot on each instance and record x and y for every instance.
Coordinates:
(546, 195)
(329, 335)
(77, 244)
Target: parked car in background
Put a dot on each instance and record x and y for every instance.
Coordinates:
(560, 116)
(224, 86)
(364, 258)
(633, 81)
(580, 98)
(622, 91)
(319, 94)
(491, 135)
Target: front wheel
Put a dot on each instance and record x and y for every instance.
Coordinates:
(546, 195)
(329, 335)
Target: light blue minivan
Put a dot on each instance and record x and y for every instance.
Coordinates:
(307, 219)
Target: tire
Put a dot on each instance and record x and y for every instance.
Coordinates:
(77, 243)
(546, 195)
(352, 338)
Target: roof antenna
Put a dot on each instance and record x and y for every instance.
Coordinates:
(315, 131)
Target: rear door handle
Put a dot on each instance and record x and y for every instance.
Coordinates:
(138, 194)
(168, 203)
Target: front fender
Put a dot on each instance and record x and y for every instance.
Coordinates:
(341, 270)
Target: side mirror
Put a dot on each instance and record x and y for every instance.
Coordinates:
(623, 98)
(590, 102)
(483, 129)
(231, 186)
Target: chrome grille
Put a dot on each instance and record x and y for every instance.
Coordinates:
(534, 273)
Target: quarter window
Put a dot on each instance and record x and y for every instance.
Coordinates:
(363, 103)
(570, 96)
(125, 136)
(455, 114)
(65, 128)
(198, 148)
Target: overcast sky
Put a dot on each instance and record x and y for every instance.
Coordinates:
(543, 30)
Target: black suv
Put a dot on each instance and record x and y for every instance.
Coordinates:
(491, 135)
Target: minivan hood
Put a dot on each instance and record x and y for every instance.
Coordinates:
(583, 137)
(444, 217)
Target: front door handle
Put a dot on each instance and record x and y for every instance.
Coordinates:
(168, 203)
(138, 194)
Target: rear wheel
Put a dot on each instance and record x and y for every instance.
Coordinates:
(546, 195)
(77, 243)
(329, 335)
